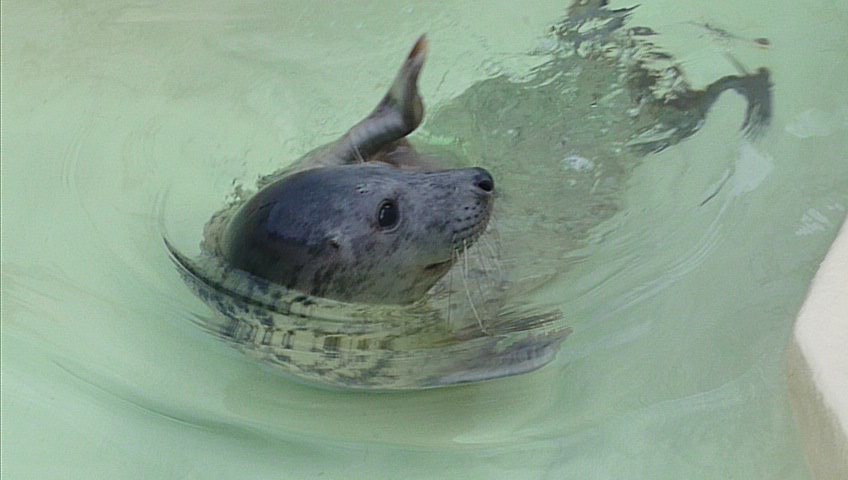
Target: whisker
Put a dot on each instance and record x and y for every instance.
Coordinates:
(450, 282)
(485, 271)
(358, 154)
(467, 291)
(494, 232)
(493, 256)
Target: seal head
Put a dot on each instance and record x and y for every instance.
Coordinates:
(369, 233)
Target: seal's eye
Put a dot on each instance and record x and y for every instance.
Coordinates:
(388, 215)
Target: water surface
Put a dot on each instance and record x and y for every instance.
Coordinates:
(681, 308)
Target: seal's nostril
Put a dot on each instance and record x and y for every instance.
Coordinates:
(484, 181)
(486, 184)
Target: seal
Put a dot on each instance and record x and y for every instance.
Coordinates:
(338, 270)
(365, 219)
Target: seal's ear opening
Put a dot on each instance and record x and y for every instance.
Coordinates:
(334, 243)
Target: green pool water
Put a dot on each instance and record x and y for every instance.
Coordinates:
(681, 299)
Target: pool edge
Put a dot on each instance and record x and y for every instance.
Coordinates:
(817, 370)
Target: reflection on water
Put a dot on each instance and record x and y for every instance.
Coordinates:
(680, 287)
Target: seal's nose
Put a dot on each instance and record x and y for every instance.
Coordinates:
(483, 180)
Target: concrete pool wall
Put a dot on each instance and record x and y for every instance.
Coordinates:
(818, 365)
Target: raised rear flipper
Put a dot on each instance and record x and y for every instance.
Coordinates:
(397, 115)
